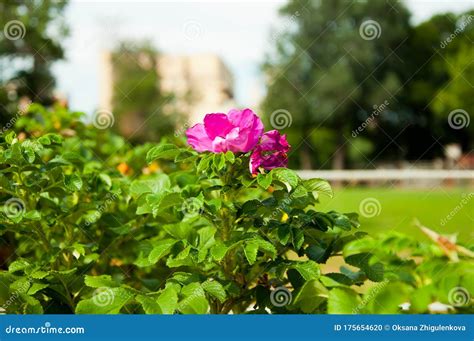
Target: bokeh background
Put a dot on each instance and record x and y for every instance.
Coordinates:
(375, 95)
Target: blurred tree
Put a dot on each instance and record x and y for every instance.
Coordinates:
(143, 111)
(457, 97)
(334, 63)
(31, 40)
(439, 66)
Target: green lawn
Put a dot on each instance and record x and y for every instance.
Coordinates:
(398, 208)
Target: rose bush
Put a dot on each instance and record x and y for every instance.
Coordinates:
(90, 224)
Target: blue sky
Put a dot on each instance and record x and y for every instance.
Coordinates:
(237, 31)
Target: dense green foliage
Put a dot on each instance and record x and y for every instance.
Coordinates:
(91, 225)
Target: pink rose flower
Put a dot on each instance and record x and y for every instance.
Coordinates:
(270, 153)
(238, 131)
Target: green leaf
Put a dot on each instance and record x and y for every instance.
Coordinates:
(149, 305)
(286, 176)
(364, 261)
(310, 296)
(73, 182)
(386, 297)
(29, 154)
(284, 233)
(10, 137)
(308, 270)
(168, 200)
(157, 184)
(343, 301)
(35, 287)
(38, 274)
(215, 289)
(99, 281)
(179, 231)
(218, 251)
(230, 157)
(18, 265)
(160, 249)
(250, 250)
(182, 259)
(266, 246)
(264, 180)
(298, 238)
(106, 179)
(105, 301)
(195, 301)
(319, 186)
(203, 164)
(164, 151)
(32, 215)
(168, 300)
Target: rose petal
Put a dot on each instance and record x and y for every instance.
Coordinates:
(217, 125)
(198, 139)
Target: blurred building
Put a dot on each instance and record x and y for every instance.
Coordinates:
(200, 83)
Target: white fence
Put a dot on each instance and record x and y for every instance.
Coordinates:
(380, 175)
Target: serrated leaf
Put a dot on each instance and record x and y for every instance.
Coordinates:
(32, 215)
(343, 301)
(156, 185)
(218, 251)
(164, 151)
(308, 270)
(105, 301)
(320, 186)
(106, 179)
(284, 234)
(168, 300)
(250, 250)
(149, 305)
(18, 265)
(286, 176)
(215, 289)
(73, 182)
(35, 287)
(160, 249)
(99, 281)
(39, 274)
(310, 296)
(264, 180)
(194, 305)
